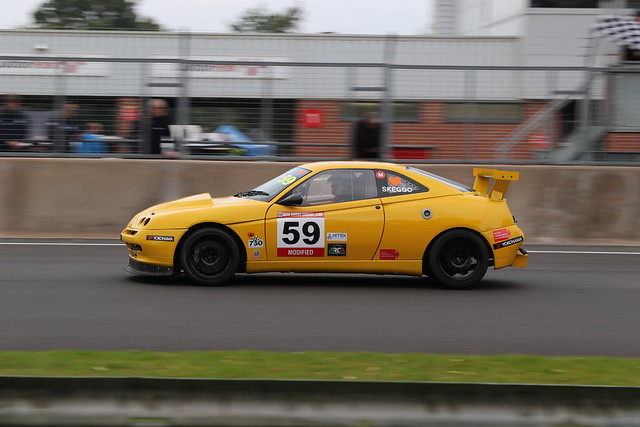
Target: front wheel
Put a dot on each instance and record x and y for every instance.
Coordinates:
(210, 257)
(458, 259)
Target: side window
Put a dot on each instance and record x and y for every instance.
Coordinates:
(394, 184)
(337, 186)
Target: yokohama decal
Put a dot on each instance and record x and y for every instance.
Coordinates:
(160, 238)
(508, 242)
(300, 234)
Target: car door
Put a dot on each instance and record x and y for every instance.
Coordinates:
(408, 217)
(340, 218)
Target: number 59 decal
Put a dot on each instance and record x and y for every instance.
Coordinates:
(287, 180)
(300, 234)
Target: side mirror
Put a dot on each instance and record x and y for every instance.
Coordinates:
(291, 200)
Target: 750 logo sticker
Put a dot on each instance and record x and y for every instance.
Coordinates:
(256, 242)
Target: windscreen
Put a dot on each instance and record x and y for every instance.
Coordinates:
(272, 188)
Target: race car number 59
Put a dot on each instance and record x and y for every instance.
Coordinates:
(300, 234)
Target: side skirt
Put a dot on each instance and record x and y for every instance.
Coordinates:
(408, 267)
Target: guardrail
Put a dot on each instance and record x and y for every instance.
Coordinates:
(29, 401)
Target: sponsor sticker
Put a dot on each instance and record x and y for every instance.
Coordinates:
(337, 249)
(508, 242)
(389, 254)
(256, 254)
(311, 252)
(300, 214)
(394, 180)
(381, 175)
(160, 238)
(256, 242)
(336, 237)
(502, 234)
(397, 189)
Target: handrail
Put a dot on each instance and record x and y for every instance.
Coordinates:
(533, 122)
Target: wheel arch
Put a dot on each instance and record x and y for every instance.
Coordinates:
(177, 266)
(427, 250)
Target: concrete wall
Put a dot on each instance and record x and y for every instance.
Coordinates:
(86, 198)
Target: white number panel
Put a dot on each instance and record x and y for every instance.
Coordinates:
(300, 234)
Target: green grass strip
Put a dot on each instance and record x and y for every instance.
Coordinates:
(326, 366)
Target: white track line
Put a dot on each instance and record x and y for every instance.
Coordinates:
(584, 252)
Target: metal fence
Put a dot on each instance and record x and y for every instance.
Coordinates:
(282, 110)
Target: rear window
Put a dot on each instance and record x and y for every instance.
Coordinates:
(393, 184)
(451, 183)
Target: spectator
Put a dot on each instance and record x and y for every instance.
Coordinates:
(158, 124)
(92, 141)
(367, 136)
(13, 124)
(65, 127)
(38, 123)
(127, 134)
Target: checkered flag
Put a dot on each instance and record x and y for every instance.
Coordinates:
(622, 30)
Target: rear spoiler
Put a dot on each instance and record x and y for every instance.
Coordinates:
(501, 181)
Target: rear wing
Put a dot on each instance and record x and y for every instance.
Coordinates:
(500, 180)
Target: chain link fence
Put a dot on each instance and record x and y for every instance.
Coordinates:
(256, 109)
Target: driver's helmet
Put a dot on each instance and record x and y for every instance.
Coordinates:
(340, 182)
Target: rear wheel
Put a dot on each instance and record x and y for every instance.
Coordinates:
(210, 257)
(458, 259)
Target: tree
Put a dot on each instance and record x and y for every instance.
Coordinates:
(260, 20)
(92, 15)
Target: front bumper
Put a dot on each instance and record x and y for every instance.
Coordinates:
(144, 269)
(153, 247)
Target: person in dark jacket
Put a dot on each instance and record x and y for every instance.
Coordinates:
(13, 123)
(367, 137)
(159, 124)
(64, 127)
(147, 133)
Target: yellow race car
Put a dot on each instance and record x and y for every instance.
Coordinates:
(335, 217)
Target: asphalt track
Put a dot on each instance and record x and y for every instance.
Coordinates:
(75, 295)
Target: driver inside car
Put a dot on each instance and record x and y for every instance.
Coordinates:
(341, 186)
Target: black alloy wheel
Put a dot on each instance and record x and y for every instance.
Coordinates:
(458, 259)
(210, 257)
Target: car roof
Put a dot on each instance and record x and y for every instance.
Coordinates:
(355, 164)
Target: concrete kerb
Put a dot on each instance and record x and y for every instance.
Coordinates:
(216, 402)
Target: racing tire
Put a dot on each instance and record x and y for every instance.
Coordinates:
(210, 257)
(458, 259)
